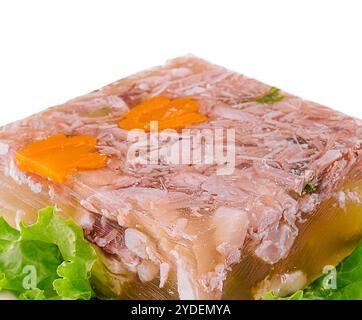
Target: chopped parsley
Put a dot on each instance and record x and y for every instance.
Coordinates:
(310, 188)
(271, 97)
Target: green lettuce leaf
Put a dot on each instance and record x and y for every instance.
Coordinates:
(348, 283)
(296, 296)
(46, 260)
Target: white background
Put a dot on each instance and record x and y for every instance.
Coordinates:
(51, 51)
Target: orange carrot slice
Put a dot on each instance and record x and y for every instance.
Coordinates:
(58, 157)
(169, 113)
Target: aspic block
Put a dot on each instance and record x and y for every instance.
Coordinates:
(283, 202)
